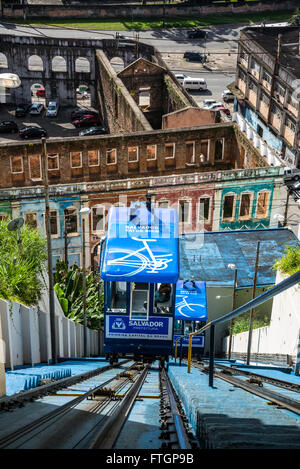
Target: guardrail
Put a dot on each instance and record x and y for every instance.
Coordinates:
(267, 295)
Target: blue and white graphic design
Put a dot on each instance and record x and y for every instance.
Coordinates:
(198, 341)
(155, 328)
(191, 301)
(141, 246)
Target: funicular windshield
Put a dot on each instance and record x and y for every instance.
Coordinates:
(140, 299)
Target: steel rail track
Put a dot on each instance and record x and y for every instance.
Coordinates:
(108, 434)
(60, 411)
(17, 400)
(285, 402)
(267, 379)
(172, 420)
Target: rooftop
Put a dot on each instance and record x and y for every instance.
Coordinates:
(205, 256)
(267, 38)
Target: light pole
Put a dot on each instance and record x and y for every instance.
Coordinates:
(232, 266)
(84, 211)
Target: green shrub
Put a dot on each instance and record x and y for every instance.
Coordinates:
(290, 263)
(21, 264)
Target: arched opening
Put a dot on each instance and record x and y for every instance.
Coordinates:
(82, 65)
(3, 61)
(83, 96)
(59, 64)
(117, 63)
(38, 93)
(35, 63)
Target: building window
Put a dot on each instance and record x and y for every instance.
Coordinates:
(94, 157)
(76, 159)
(151, 152)
(169, 150)
(276, 111)
(291, 124)
(71, 220)
(241, 75)
(111, 156)
(252, 86)
(35, 172)
(228, 207)
(219, 150)
(255, 66)
(204, 150)
(16, 164)
(31, 220)
(292, 101)
(53, 162)
(183, 211)
(53, 222)
(204, 209)
(98, 218)
(162, 203)
(133, 154)
(267, 77)
(279, 89)
(264, 98)
(190, 152)
(245, 206)
(262, 204)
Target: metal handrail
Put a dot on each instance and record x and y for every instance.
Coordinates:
(265, 296)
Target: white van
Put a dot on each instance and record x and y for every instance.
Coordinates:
(194, 84)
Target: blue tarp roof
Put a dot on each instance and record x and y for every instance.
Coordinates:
(205, 256)
(141, 246)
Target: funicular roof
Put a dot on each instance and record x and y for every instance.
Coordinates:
(141, 246)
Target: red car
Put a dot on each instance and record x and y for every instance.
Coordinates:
(41, 92)
(87, 120)
(223, 109)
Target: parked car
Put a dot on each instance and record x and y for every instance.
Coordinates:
(32, 132)
(223, 109)
(227, 96)
(195, 56)
(125, 38)
(196, 33)
(41, 93)
(180, 77)
(8, 127)
(194, 84)
(52, 109)
(82, 112)
(207, 102)
(93, 131)
(213, 106)
(87, 121)
(21, 110)
(36, 108)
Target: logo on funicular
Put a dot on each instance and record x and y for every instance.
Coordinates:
(118, 324)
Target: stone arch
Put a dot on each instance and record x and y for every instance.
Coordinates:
(35, 63)
(117, 63)
(3, 60)
(82, 65)
(59, 64)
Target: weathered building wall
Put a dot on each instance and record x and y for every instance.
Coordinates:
(188, 117)
(137, 11)
(120, 156)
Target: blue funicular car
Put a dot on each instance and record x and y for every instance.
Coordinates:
(140, 269)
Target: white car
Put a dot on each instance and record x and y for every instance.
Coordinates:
(36, 108)
(213, 106)
(227, 95)
(180, 77)
(208, 102)
(52, 109)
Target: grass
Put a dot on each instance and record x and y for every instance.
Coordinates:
(140, 24)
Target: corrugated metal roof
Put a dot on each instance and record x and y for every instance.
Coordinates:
(205, 256)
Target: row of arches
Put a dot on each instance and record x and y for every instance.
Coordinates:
(58, 64)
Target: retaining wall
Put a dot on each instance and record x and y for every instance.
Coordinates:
(282, 335)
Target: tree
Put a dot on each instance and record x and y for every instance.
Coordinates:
(22, 265)
(69, 290)
(295, 19)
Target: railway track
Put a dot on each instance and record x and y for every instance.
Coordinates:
(254, 385)
(95, 418)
